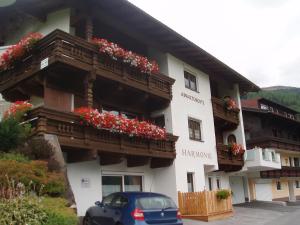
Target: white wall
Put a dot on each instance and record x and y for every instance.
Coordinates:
(191, 155)
(56, 20)
(154, 180)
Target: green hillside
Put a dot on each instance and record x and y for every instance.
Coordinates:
(288, 96)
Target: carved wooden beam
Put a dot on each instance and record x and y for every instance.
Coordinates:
(134, 161)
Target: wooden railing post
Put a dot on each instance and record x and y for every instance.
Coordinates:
(88, 89)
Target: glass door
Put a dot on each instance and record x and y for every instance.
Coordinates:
(111, 184)
(119, 183)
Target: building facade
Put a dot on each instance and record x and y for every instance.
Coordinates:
(273, 143)
(66, 71)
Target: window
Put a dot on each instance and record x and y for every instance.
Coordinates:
(190, 181)
(119, 183)
(159, 121)
(296, 162)
(291, 161)
(297, 184)
(278, 185)
(273, 156)
(210, 183)
(195, 130)
(190, 81)
(231, 139)
(219, 186)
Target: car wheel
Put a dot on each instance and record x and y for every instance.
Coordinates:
(87, 220)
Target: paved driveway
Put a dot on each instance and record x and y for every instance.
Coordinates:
(258, 214)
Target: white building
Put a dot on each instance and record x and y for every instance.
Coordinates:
(196, 113)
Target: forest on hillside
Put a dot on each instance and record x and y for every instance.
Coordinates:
(289, 97)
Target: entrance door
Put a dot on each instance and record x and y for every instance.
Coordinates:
(237, 188)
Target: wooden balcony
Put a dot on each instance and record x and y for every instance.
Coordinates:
(74, 136)
(285, 171)
(224, 119)
(227, 161)
(61, 50)
(274, 142)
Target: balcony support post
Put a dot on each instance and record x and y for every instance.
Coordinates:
(88, 89)
(89, 28)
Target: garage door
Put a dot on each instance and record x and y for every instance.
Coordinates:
(263, 191)
(237, 187)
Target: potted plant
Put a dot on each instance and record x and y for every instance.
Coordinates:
(223, 194)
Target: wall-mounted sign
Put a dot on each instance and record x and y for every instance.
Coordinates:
(195, 154)
(85, 182)
(44, 63)
(192, 98)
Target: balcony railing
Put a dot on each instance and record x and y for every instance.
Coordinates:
(273, 142)
(61, 47)
(226, 116)
(285, 171)
(259, 159)
(72, 133)
(227, 161)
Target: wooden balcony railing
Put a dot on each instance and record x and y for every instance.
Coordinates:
(72, 133)
(273, 142)
(227, 161)
(61, 47)
(228, 117)
(285, 171)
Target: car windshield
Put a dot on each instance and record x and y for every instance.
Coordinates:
(155, 202)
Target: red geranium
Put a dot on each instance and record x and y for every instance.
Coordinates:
(18, 51)
(118, 53)
(120, 124)
(17, 109)
(237, 149)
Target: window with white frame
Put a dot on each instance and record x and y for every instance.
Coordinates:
(219, 184)
(195, 129)
(119, 183)
(210, 183)
(190, 181)
(278, 185)
(190, 81)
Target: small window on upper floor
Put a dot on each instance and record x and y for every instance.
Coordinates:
(195, 130)
(190, 81)
(278, 185)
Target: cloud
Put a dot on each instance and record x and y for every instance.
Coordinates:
(258, 38)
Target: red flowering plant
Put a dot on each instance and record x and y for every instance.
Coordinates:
(229, 104)
(16, 52)
(17, 110)
(119, 54)
(120, 124)
(236, 149)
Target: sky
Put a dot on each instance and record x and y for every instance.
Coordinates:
(258, 38)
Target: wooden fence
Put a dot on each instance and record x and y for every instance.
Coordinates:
(204, 206)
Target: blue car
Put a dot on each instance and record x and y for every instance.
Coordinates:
(134, 208)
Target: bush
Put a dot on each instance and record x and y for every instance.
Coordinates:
(36, 211)
(34, 175)
(12, 134)
(37, 149)
(223, 194)
(14, 156)
(59, 213)
(22, 211)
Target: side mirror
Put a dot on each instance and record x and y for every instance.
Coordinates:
(98, 203)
